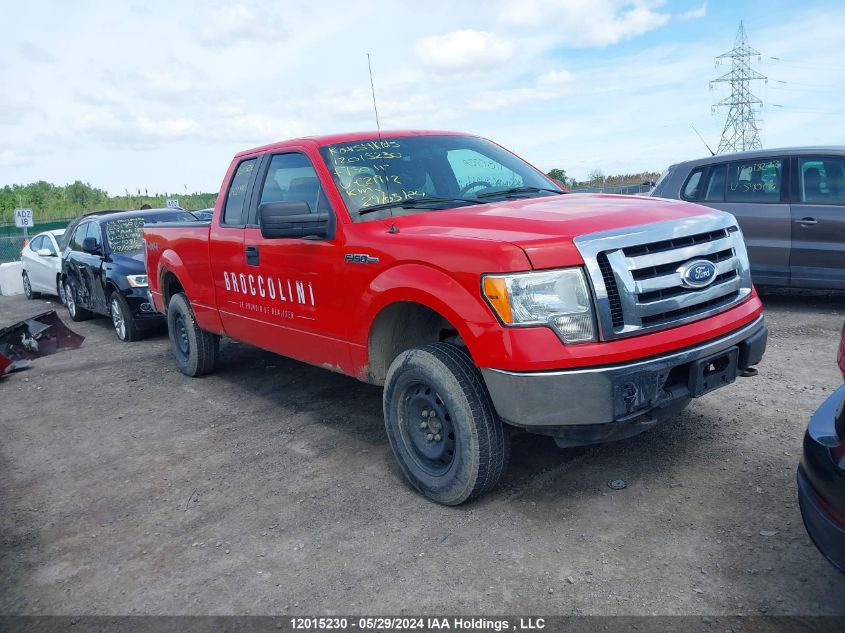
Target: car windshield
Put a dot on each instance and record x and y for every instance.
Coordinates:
(126, 234)
(390, 176)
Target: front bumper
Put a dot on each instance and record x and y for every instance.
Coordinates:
(629, 396)
(141, 303)
(827, 536)
(821, 479)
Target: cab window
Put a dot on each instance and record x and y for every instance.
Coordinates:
(756, 180)
(233, 212)
(822, 180)
(37, 243)
(291, 178)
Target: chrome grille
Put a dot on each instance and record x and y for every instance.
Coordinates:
(635, 278)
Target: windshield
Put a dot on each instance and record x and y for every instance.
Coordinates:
(126, 235)
(458, 170)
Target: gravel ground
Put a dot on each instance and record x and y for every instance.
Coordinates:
(269, 488)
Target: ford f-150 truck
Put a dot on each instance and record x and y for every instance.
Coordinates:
(468, 284)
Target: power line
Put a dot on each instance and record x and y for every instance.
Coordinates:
(740, 132)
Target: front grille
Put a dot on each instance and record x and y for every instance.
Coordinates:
(612, 291)
(636, 278)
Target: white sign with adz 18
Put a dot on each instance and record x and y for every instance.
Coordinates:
(24, 218)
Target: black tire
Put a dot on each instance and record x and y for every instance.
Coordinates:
(195, 349)
(122, 319)
(462, 450)
(76, 313)
(27, 288)
(60, 290)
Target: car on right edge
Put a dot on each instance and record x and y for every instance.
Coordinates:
(821, 474)
(790, 205)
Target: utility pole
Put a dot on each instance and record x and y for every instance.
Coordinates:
(741, 132)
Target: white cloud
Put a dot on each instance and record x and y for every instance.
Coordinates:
(223, 26)
(463, 51)
(12, 158)
(555, 78)
(586, 23)
(694, 14)
(117, 126)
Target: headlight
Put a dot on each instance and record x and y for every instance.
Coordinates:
(555, 298)
(137, 281)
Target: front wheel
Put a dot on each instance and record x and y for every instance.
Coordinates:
(441, 424)
(122, 319)
(195, 349)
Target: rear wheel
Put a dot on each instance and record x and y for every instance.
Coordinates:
(122, 319)
(441, 424)
(195, 349)
(27, 288)
(76, 313)
(60, 290)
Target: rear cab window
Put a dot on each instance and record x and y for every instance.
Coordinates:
(235, 207)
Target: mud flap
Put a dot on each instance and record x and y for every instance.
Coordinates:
(41, 335)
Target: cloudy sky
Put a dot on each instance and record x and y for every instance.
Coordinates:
(159, 95)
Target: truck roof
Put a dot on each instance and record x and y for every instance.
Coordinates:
(346, 137)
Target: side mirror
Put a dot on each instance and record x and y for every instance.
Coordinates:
(44, 252)
(292, 219)
(89, 245)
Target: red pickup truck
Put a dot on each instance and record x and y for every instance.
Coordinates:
(472, 287)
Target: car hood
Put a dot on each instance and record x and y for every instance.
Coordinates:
(131, 263)
(545, 226)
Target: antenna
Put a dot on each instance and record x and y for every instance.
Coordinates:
(373, 90)
(393, 228)
(712, 153)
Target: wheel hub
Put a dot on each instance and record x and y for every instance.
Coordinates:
(181, 334)
(429, 428)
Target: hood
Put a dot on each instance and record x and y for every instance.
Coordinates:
(544, 227)
(132, 262)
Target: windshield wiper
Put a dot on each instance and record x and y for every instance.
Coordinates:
(513, 190)
(413, 203)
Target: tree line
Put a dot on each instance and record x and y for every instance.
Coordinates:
(597, 178)
(60, 202)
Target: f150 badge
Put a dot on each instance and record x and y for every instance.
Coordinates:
(699, 273)
(359, 258)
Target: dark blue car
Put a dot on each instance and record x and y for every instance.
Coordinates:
(821, 479)
(103, 268)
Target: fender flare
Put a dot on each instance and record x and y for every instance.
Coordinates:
(432, 288)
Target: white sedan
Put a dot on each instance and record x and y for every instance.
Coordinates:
(42, 265)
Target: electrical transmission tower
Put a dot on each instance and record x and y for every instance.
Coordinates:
(741, 132)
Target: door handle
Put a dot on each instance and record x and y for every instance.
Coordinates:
(252, 256)
(807, 221)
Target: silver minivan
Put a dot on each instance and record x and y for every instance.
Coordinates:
(790, 204)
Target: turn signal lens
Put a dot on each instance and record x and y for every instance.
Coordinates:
(496, 291)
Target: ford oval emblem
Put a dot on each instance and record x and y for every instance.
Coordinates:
(699, 273)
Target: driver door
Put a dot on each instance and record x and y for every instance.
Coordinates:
(304, 305)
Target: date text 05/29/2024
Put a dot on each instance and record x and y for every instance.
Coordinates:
(415, 624)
